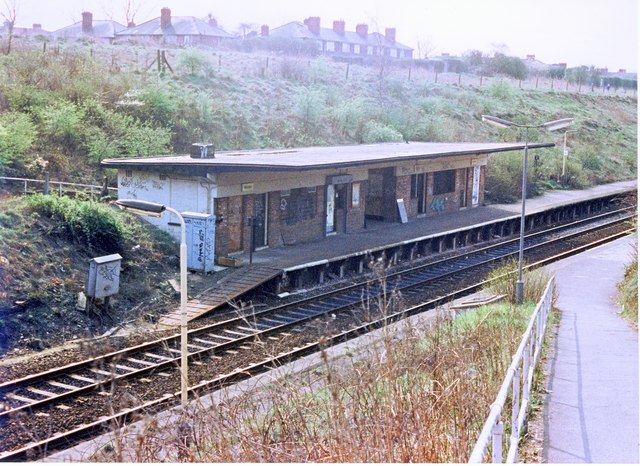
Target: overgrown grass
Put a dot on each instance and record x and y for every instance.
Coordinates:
(419, 394)
(628, 289)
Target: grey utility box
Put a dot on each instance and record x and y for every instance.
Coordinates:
(200, 241)
(103, 279)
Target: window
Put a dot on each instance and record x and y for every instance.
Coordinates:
(444, 182)
(301, 206)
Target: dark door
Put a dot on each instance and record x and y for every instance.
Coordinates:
(260, 222)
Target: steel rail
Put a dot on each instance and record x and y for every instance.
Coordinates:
(115, 357)
(62, 439)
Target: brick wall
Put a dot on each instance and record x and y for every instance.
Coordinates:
(229, 229)
(447, 202)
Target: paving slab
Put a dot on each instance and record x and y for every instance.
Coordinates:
(591, 413)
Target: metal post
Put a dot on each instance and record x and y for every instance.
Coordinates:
(46, 183)
(184, 350)
(520, 282)
(497, 442)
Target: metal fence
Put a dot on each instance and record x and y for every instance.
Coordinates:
(517, 383)
(30, 186)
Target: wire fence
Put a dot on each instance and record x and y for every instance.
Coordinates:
(516, 387)
(61, 188)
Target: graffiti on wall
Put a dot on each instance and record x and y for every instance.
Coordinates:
(438, 204)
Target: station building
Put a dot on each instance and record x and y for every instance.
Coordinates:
(275, 197)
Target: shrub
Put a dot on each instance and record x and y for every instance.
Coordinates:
(501, 90)
(87, 223)
(378, 132)
(17, 135)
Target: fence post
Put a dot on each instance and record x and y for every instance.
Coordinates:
(46, 183)
(497, 442)
(515, 395)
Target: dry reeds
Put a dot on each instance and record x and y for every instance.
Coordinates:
(415, 395)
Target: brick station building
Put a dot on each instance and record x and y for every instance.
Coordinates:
(302, 194)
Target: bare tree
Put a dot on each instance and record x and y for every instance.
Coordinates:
(426, 46)
(10, 13)
(244, 27)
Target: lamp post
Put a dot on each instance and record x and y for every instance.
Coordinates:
(549, 126)
(565, 152)
(153, 209)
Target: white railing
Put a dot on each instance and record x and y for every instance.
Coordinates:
(518, 381)
(87, 188)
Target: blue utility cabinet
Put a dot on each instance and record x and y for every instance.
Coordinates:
(200, 241)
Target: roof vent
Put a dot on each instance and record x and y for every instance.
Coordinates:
(202, 151)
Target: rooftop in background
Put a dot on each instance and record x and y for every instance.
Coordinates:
(166, 24)
(314, 158)
(101, 29)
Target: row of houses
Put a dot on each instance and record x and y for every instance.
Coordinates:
(189, 30)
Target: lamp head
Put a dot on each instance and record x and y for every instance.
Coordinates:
(495, 121)
(151, 209)
(558, 124)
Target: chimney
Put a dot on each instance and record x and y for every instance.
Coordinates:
(445, 54)
(531, 57)
(213, 22)
(264, 30)
(165, 18)
(131, 24)
(622, 70)
(362, 30)
(37, 27)
(313, 23)
(390, 35)
(87, 22)
(338, 27)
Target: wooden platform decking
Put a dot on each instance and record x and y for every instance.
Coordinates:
(232, 286)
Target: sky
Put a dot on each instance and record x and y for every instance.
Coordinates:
(576, 32)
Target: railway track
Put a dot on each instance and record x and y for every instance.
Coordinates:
(48, 394)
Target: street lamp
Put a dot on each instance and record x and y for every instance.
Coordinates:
(155, 210)
(549, 126)
(565, 151)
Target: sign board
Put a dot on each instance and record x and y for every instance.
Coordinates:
(339, 179)
(475, 193)
(200, 229)
(402, 210)
(103, 279)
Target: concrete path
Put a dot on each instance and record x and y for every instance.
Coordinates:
(591, 412)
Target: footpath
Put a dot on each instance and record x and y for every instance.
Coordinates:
(591, 413)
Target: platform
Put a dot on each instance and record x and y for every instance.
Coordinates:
(380, 233)
(233, 285)
(293, 259)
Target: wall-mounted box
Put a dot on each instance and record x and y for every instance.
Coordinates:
(103, 279)
(200, 241)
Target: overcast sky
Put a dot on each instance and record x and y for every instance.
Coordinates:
(603, 33)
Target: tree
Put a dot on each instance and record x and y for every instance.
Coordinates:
(246, 27)
(10, 13)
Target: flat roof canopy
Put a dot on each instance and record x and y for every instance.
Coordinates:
(313, 158)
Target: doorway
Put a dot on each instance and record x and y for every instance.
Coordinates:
(261, 220)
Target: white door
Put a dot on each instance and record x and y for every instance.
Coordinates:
(331, 197)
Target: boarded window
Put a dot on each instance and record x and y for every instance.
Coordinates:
(301, 206)
(444, 182)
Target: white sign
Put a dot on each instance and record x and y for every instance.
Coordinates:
(475, 193)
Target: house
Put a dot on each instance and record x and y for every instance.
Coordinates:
(34, 30)
(176, 30)
(340, 42)
(302, 194)
(101, 31)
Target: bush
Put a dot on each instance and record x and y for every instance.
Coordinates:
(379, 132)
(17, 135)
(88, 223)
